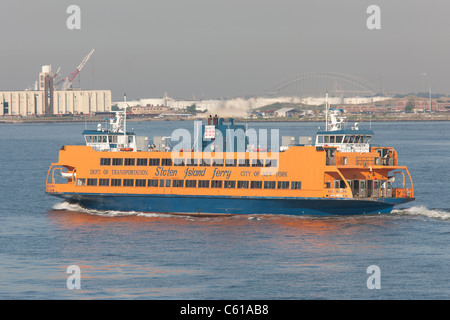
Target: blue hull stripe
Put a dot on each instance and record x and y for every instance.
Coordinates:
(231, 205)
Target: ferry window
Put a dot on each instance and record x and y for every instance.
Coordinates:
(113, 139)
(357, 139)
(203, 183)
(152, 182)
(283, 185)
(130, 139)
(242, 184)
(140, 182)
(339, 139)
(128, 182)
(81, 182)
(230, 163)
(92, 182)
(191, 162)
(178, 183)
(103, 182)
(205, 162)
(129, 162)
(269, 184)
(167, 183)
(229, 184)
(345, 139)
(161, 183)
(368, 139)
(218, 163)
(141, 162)
(216, 184)
(244, 163)
(326, 139)
(257, 163)
(351, 139)
(105, 161)
(117, 162)
(296, 185)
(320, 139)
(166, 162)
(94, 139)
(191, 183)
(116, 182)
(344, 160)
(256, 184)
(271, 163)
(331, 139)
(104, 138)
(153, 162)
(327, 185)
(88, 139)
(178, 162)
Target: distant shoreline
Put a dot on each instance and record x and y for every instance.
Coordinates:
(350, 118)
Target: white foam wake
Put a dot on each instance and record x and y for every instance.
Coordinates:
(73, 207)
(423, 211)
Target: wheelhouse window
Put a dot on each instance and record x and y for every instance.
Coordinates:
(320, 139)
(339, 139)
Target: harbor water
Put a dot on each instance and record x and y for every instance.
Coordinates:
(135, 255)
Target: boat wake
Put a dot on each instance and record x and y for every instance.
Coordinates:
(442, 214)
(72, 207)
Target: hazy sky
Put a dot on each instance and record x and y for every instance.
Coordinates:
(224, 48)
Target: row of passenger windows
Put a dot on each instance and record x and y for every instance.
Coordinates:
(190, 183)
(188, 162)
(101, 139)
(345, 139)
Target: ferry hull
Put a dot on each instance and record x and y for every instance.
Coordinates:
(233, 205)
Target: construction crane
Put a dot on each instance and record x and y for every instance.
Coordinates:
(69, 79)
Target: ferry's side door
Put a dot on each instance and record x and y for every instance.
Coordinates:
(165, 185)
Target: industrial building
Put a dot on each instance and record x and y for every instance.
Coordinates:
(46, 99)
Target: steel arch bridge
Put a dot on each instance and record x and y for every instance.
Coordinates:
(319, 83)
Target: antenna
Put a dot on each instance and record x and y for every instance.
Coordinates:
(326, 111)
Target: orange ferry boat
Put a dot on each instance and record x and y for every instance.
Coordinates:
(341, 173)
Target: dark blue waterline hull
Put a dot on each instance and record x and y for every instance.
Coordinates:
(232, 205)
